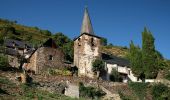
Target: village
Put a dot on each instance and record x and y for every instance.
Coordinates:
(39, 64)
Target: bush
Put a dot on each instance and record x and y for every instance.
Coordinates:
(90, 92)
(115, 76)
(160, 92)
(3, 61)
(59, 72)
(139, 89)
(168, 76)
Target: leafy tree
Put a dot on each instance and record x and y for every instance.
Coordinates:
(46, 32)
(104, 41)
(135, 58)
(149, 57)
(98, 66)
(65, 44)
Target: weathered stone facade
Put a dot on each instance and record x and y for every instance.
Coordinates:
(86, 49)
(44, 58)
(13, 61)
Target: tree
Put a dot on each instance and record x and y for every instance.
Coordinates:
(135, 58)
(98, 66)
(65, 44)
(104, 41)
(149, 57)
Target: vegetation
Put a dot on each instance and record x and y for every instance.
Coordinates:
(98, 66)
(135, 57)
(115, 76)
(64, 72)
(149, 57)
(115, 50)
(3, 61)
(146, 62)
(139, 89)
(90, 92)
(160, 92)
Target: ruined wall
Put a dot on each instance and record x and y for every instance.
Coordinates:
(86, 49)
(13, 61)
(45, 58)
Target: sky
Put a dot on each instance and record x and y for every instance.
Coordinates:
(120, 21)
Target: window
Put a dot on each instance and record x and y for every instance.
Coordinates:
(50, 57)
(79, 44)
(92, 41)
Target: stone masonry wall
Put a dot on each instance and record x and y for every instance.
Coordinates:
(86, 49)
(45, 58)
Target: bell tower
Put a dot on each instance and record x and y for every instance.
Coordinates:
(86, 47)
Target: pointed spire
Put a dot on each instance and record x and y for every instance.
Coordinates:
(86, 24)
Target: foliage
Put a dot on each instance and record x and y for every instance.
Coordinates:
(168, 76)
(135, 57)
(104, 41)
(3, 61)
(90, 92)
(59, 72)
(160, 92)
(115, 76)
(149, 57)
(139, 89)
(98, 65)
(66, 44)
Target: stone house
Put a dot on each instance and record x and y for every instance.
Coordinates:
(15, 50)
(86, 48)
(47, 56)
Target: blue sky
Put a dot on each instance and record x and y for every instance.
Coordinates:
(120, 21)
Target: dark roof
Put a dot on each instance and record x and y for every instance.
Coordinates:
(19, 44)
(86, 34)
(12, 52)
(115, 60)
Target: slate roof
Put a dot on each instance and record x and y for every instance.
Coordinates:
(115, 60)
(86, 24)
(12, 52)
(19, 44)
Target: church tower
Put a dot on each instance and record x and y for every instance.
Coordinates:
(86, 47)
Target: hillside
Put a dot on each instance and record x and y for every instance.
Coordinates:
(115, 50)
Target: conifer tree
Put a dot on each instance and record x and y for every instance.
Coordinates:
(136, 60)
(149, 56)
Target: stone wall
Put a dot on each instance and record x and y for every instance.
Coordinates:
(45, 58)
(13, 61)
(86, 49)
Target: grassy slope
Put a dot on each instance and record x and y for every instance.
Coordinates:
(115, 50)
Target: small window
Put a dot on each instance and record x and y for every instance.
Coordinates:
(79, 42)
(50, 57)
(92, 41)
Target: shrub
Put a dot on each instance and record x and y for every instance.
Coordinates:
(3, 61)
(139, 89)
(115, 76)
(160, 92)
(90, 92)
(168, 76)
